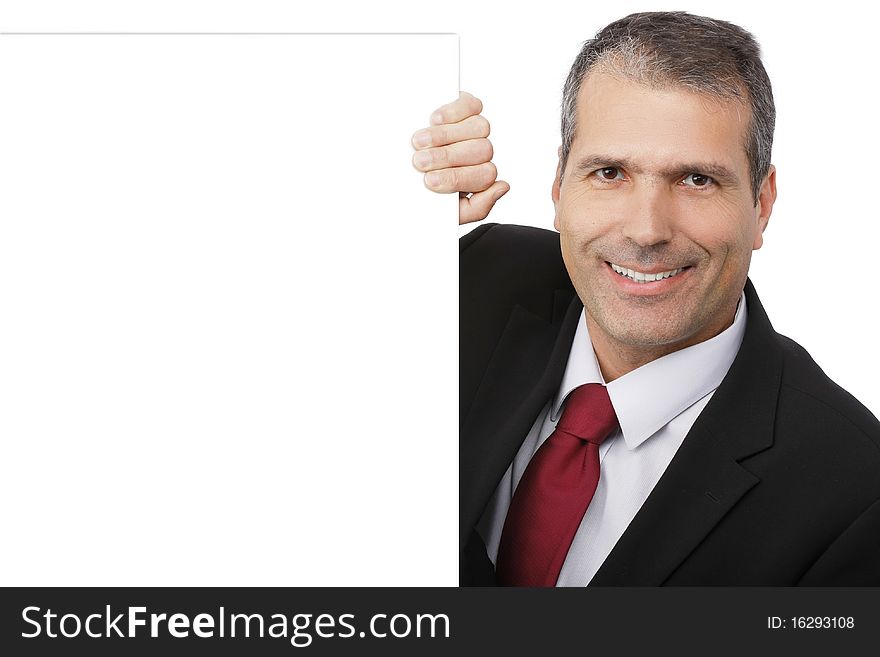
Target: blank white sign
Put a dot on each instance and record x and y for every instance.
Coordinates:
(228, 312)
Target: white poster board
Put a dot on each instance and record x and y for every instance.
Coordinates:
(228, 311)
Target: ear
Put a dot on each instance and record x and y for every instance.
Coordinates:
(554, 191)
(764, 206)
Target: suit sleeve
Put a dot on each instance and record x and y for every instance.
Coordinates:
(853, 559)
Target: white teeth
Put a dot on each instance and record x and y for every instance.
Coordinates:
(640, 277)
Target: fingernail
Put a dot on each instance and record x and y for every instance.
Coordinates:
(421, 139)
(436, 118)
(432, 179)
(422, 159)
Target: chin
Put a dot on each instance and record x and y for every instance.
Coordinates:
(636, 330)
(648, 339)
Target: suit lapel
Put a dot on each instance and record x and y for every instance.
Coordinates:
(523, 373)
(704, 480)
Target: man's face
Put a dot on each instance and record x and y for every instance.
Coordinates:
(657, 187)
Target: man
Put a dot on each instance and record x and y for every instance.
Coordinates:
(628, 414)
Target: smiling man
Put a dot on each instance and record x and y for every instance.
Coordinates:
(657, 185)
(628, 414)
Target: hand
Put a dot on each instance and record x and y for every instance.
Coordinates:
(457, 157)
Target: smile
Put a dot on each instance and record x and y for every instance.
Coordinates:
(641, 277)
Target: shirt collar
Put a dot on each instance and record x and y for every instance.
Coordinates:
(650, 396)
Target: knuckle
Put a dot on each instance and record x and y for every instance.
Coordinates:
(486, 150)
(452, 178)
(439, 135)
(478, 127)
(475, 152)
(485, 176)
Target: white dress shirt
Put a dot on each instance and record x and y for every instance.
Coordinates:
(656, 406)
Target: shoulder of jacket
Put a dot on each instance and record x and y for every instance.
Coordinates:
(821, 396)
(509, 236)
(510, 249)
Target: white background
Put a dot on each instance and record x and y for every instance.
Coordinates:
(815, 272)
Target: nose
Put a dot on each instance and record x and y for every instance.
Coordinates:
(649, 215)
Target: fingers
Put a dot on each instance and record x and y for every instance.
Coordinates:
(472, 151)
(456, 156)
(478, 206)
(466, 105)
(462, 179)
(473, 127)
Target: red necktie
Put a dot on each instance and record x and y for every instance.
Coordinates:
(555, 491)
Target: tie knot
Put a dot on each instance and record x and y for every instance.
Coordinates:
(588, 414)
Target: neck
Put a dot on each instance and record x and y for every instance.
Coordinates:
(617, 358)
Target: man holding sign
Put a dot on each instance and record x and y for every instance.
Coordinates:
(628, 414)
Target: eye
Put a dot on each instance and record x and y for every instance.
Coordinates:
(697, 180)
(609, 173)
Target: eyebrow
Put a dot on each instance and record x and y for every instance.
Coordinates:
(719, 172)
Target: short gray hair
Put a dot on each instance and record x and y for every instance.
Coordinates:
(707, 56)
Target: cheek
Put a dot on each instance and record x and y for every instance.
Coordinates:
(581, 217)
(723, 227)
(723, 249)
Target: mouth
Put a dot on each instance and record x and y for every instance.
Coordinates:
(645, 277)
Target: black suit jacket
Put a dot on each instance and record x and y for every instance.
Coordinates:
(776, 484)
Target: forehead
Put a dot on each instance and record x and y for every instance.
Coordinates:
(658, 126)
